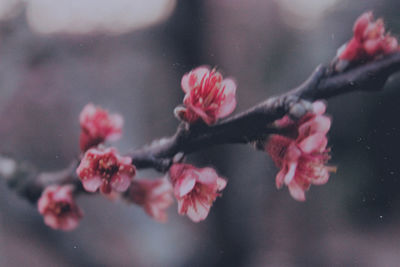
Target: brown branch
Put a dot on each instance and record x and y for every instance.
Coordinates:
(250, 126)
(28, 182)
(255, 123)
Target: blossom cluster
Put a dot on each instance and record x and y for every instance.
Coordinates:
(299, 148)
(208, 98)
(370, 40)
(302, 153)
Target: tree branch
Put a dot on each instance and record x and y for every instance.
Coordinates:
(254, 124)
(250, 126)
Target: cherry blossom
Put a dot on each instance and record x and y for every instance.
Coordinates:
(302, 154)
(58, 207)
(105, 169)
(195, 189)
(155, 196)
(369, 40)
(207, 96)
(98, 126)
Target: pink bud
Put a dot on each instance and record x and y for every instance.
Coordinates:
(155, 196)
(207, 96)
(105, 169)
(195, 189)
(58, 207)
(369, 40)
(98, 126)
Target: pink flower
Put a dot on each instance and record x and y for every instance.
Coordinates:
(195, 189)
(208, 96)
(98, 126)
(58, 207)
(369, 40)
(105, 169)
(302, 154)
(154, 196)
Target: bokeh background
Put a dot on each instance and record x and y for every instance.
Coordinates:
(129, 56)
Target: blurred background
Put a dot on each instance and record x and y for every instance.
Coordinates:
(129, 56)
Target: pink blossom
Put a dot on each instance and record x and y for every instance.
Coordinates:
(105, 169)
(208, 96)
(301, 156)
(369, 40)
(195, 189)
(58, 207)
(155, 196)
(98, 126)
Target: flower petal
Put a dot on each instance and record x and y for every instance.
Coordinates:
(296, 191)
(314, 143)
(92, 184)
(290, 173)
(190, 80)
(198, 211)
(120, 182)
(320, 124)
(227, 107)
(207, 176)
(51, 220)
(185, 185)
(221, 183)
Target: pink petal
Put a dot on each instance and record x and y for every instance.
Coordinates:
(280, 177)
(361, 25)
(389, 44)
(314, 143)
(207, 176)
(185, 83)
(291, 172)
(176, 170)
(229, 86)
(163, 187)
(63, 193)
(69, 223)
(52, 221)
(189, 80)
(353, 50)
(296, 191)
(92, 184)
(372, 46)
(182, 206)
(43, 202)
(198, 211)
(293, 153)
(120, 183)
(221, 183)
(185, 185)
(319, 107)
(320, 124)
(88, 111)
(227, 107)
(322, 177)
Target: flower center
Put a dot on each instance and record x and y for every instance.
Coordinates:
(59, 208)
(107, 168)
(209, 94)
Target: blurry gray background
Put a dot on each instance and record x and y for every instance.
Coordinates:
(129, 56)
